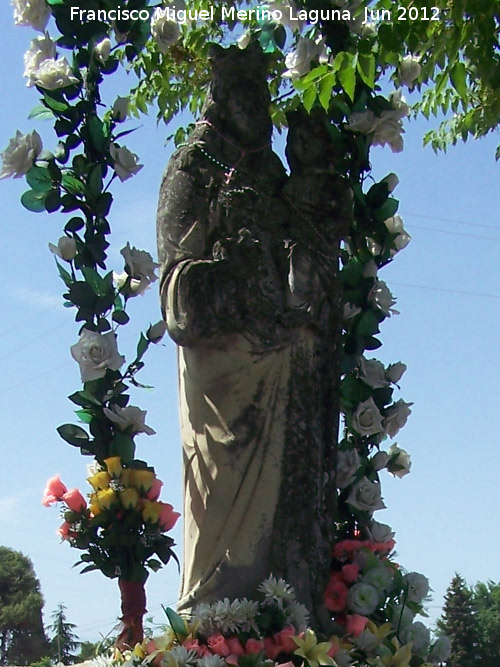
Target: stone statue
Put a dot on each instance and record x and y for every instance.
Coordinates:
(249, 258)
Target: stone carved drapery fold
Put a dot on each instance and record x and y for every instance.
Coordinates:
(248, 271)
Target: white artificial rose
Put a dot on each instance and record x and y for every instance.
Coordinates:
(102, 49)
(396, 416)
(65, 248)
(398, 101)
(367, 419)
(41, 48)
(400, 462)
(130, 418)
(366, 496)
(53, 74)
(363, 599)
(95, 353)
(417, 586)
(119, 111)
(298, 62)
(374, 247)
(401, 616)
(164, 31)
(379, 577)
(380, 532)
(135, 287)
(419, 635)
(379, 461)
(20, 154)
(409, 70)
(139, 263)
(394, 225)
(34, 13)
(363, 122)
(440, 651)
(388, 131)
(372, 372)
(348, 463)
(125, 163)
(156, 331)
(395, 372)
(381, 297)
(287, 10)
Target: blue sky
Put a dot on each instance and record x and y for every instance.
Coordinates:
(447, 284)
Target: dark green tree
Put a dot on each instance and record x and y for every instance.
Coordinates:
(487, 604)
(64, 640)
(22, 638)
(459, 623)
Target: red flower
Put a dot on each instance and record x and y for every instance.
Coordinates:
(336, 594)
(350, 573)
(355, 624)
(254, 646)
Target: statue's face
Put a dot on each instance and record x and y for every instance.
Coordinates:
(248, 113)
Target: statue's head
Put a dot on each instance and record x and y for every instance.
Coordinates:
(238, 99)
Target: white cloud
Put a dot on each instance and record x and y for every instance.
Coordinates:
(34, 297)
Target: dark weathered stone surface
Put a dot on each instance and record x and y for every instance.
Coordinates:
(249, 258)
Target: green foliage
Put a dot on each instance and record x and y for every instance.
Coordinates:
(487, 617)
(64, 641)
(459, 624)
(22, 638)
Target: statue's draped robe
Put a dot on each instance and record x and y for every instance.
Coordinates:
(248, 379)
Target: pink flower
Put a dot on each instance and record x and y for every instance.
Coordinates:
(167, 517)
(333, 651)
(235, 646)
(54, 491)
(284, 639)
(336, 594)
(64, 531)
(155, 490)
(350, 572)
(193, 645)
(217, 644)
(355, 624)
(271, 649)
(254, 646)
(75, 501)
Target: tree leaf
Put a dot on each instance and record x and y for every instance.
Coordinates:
(325, 90)
(458, 76)
(309, 97)
(347, 76)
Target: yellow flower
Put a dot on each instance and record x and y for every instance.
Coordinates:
(125, 477)
(139, 652)
(151, 511)
(100, 480)
(114, 466)
(129, 498)
(402, 656)
(141, 479)
(105, 498)
(380, 631)
(314, 653)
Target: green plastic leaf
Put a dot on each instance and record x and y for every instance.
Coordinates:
(65, 275)
(84, 415)
(56, 105)
(154, 564)
(387, 210)
(122, 445)
(72, 184)
(34, 201)
(176, 622)
(73, 435)
(97, 133)
(142, 346)
(39, 179)
(94, 280)
(368, 324)
(40, 112)
(120, 317)
(94, 182)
